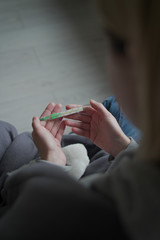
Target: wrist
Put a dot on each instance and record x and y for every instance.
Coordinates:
(121, 145)
(54, 157)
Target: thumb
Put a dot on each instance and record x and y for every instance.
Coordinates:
(99, 107)
(36, 123)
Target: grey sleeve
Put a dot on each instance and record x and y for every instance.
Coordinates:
(114, 162)
(132, 147)
(41, 200)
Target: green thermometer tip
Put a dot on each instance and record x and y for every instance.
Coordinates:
(62, 114)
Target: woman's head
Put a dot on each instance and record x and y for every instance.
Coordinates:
(133, 31)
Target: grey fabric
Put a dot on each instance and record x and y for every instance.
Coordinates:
(15, 150)
(7, 135)
(40, 201)
(99, 159)
(134, 188)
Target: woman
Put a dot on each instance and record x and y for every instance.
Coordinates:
(42, 200)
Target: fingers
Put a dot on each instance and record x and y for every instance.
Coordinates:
(37, 128)
(36, 123)
(50, 109)
(81, 132)
(47, 112)
(76, 124)
(86, 109)
(80, 117)
(84, 116)
(99, 108)
(60, 131)
(52, 125)
(70, 106)
(80, 128)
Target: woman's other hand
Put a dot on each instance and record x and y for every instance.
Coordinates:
(100, 126)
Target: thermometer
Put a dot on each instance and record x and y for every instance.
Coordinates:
(62, 114)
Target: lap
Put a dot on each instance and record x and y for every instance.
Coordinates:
(49, 200)
(7, 134)
(15, 150)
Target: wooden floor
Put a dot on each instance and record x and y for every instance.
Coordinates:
(50, 50)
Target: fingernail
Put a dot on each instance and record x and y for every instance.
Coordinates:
(93, 101)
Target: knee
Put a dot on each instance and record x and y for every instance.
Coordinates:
(7, 136)
(8, 130)
(25, 145)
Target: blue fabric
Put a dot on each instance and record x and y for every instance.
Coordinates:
(128, 128)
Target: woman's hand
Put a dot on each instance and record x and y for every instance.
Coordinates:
(47, 135)
(100, 126)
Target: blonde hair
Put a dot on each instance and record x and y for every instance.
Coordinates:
(138, 21)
